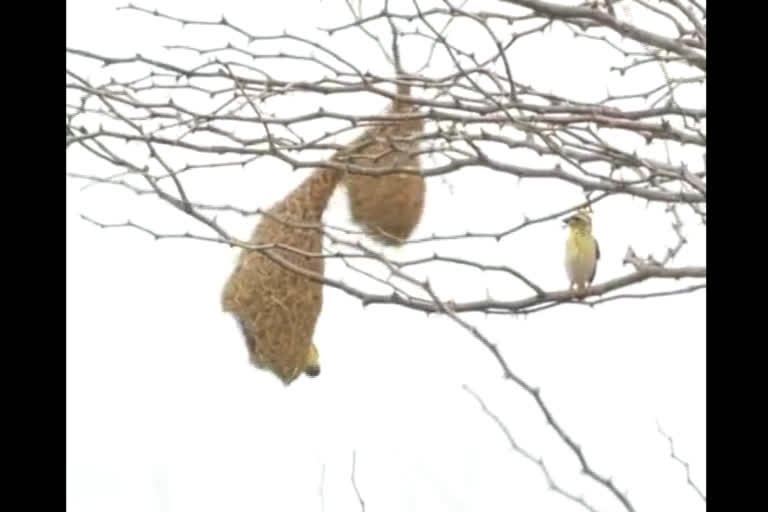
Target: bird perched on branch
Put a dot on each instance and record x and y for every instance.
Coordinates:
(581, 251)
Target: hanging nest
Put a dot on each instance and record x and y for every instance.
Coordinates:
(390, 206)
(277, 307)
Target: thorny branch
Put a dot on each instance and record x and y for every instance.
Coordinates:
(354, 481)
(427, 303)
(597, 18)
(535, 393)
(553, 485)
(683, 463)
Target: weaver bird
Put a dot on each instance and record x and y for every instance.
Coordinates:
(312, 368)
(581, 252)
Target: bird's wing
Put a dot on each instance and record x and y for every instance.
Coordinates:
(594, 267)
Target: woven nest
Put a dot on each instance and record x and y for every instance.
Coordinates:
(390, 206)
(277, 308)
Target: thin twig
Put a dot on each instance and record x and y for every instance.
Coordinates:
(553, 485)
(683, 463)
(354, 483)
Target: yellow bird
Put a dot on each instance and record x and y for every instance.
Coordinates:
(581, 252)
(312, 368)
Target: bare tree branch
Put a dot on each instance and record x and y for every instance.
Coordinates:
(624, 29)
(683, 463)
(553, 485)
(535, 393)
(354, 482)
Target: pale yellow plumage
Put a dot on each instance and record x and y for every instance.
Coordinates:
(581, 252)
(312, 367)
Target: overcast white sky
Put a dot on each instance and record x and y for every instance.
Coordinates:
(164, 412)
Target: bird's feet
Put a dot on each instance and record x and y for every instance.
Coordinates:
(579, 292)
